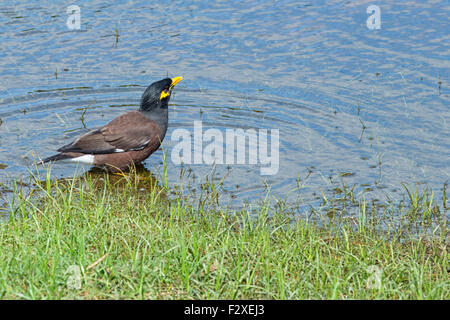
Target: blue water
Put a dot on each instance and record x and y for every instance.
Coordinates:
(346, 99)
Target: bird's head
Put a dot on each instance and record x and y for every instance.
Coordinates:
(157, 95)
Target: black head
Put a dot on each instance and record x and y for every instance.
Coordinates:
(157, 95)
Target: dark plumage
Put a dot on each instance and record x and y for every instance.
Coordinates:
(129, 138)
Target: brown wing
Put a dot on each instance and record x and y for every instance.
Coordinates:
(130, 131)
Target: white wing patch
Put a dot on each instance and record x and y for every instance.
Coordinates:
(142, 146)
(119, 150)
(88, 158)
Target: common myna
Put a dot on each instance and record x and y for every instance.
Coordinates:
(129, 138)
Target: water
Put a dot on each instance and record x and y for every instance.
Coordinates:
(353, 105)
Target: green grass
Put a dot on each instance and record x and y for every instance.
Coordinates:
(128, 239)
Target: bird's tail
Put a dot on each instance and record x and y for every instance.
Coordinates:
(56, 157)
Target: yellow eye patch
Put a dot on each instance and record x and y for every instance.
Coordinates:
(164, 94)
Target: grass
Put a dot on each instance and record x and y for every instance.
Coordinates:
(102, 236)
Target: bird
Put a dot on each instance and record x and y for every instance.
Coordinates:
(128, 139)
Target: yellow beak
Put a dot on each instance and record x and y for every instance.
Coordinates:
(175, 81)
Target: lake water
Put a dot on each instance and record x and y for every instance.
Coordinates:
(352, 105)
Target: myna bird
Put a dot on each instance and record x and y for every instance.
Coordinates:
(128, 139)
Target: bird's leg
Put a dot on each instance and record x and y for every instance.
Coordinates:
(120, 173)
(115, 170)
